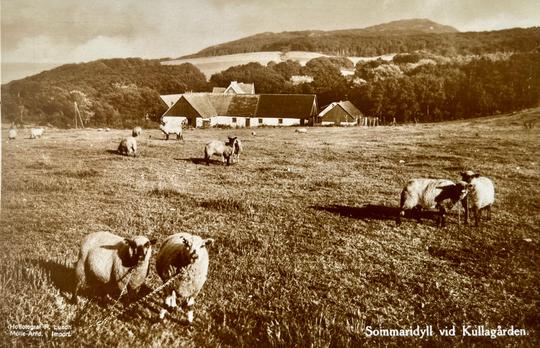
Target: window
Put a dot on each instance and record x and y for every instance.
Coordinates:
(234, 120)
(280, 121)
(260, 120)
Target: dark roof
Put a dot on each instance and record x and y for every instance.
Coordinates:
(347, 106)
(247, 105)
(243, 105)
(287, 105)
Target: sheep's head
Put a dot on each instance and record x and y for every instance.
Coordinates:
(138, 248)
(455, 192)
(468, 176)
(194, 248)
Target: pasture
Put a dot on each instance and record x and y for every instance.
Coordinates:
(307, 251)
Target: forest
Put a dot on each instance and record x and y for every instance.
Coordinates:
(413, 87)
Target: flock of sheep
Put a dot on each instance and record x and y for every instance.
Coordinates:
(229, 151)
(116, 265)
(34, 133)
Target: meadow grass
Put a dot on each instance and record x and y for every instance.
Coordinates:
(307, 251)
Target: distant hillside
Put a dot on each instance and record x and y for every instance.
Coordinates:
(395, 37)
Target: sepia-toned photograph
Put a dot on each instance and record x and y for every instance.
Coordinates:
(271, 173)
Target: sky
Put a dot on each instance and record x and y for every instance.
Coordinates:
(68, 31)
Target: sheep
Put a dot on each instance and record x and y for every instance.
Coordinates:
(481, 193)
(112, 263)
(36, 133)
(12, 134)
(185, 257)
(432, 193)
(301, 130)
(128, 147)
(225, 150)
(136, 132)
(172, 126)
(237, 147)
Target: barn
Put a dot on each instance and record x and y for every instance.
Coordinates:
(342, 113)
(244, 110)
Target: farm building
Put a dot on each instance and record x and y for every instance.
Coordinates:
(342, 113)
(236, 88)
(245, 110)
(170, 99)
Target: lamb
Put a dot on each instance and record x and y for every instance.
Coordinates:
(12, 134)
(112, 263)
(225, 150)
(36, 133)
(432, 193)
(136, 132)
(128, 147)
(172, 126)
(301, 130)
(185, 257)
(482, 194)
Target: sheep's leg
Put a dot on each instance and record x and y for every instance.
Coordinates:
(465, 206)
(477, 214)
(488, 208)
(189, 306)
(398, 219)
(418, 213)
(170, 304)
(441, 219)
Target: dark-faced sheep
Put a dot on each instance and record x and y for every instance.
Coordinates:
(128, 147)
(481, 194)
(12, 134)
(440, 194)
(225, 150)
(185, 257)
(111, 263)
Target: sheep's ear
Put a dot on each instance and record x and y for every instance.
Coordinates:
(153, 241)
(208, 242)
(476, 176)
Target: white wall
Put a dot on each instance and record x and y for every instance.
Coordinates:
(254, 121)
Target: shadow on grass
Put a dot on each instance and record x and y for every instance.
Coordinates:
(372, 212)
(199, 160)
(62, 275)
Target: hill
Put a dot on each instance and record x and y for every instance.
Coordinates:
(394, 37)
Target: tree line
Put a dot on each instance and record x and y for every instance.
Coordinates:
(419, 87)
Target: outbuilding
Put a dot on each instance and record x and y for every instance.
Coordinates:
(342, 113)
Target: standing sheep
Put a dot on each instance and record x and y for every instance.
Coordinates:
(36, 133)
(136, 132)
(185, 256)
(12, 134)
(481, 193)
(128, 146)
(172, 126)
(225, 150)
(116, 263)
(441, 194)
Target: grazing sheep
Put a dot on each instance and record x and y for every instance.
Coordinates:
(12, 134)
(481, 193)
(136, 132)
(36, 133)
(301, 130)
(225, 150)
(128, 147)
(112, 263)
(185, 256)
(237, 147)
(432, 193)
(172, 126)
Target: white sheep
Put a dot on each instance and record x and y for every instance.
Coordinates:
(112, 263)
(185, 257)
(136, 132)
(172, 126)
(441, 194)
(128, 146)
(12, 134)
(36, 133)
(225, 150)
(301, 130)
(481, 194)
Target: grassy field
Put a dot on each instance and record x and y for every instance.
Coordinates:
(307, 251)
